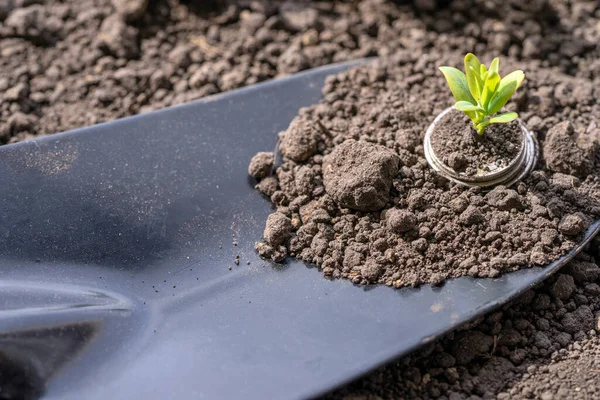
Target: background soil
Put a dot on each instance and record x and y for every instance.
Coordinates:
(70, 64)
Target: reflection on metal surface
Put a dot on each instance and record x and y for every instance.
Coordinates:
(21, 298)
(29, 358)
(45, 326)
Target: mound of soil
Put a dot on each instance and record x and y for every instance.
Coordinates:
(458, 145)
(363, 204)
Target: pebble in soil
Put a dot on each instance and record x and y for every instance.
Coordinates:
(355, 195)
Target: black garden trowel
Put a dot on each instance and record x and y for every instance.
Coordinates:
(116, 243)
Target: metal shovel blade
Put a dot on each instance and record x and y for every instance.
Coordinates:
(115, 247)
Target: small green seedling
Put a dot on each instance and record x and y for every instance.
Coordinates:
(481, 93)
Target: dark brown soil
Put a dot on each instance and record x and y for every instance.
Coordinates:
(544, 346)
(361, 202)
(458, 145)
(67, 64)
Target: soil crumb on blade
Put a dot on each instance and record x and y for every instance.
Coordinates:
(363, 204)
(261, 164)
(458, 145)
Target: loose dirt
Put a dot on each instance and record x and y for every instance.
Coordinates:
(359, 199)
(544, 345)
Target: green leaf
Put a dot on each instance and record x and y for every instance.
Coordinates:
(477, 82)
(517, 76)
(504, 118)
(482, 69)
(495, 65)
(483, 78)
(505, 90)
(489, 88)
(457, 82)
(472, 66)
(466, 106)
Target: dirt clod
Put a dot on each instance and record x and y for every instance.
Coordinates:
(299, 142)
(278, 229)
(572, 224)
(358, 175)
(471, 344)
(261, 165)
(34, 23)
(298, 17)
(400, 220)
(562, 153)
(563, 287)
(268, 186)
(583, 271)
(504, 199)
(132, 10)
(580, 320)
(118, 38)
